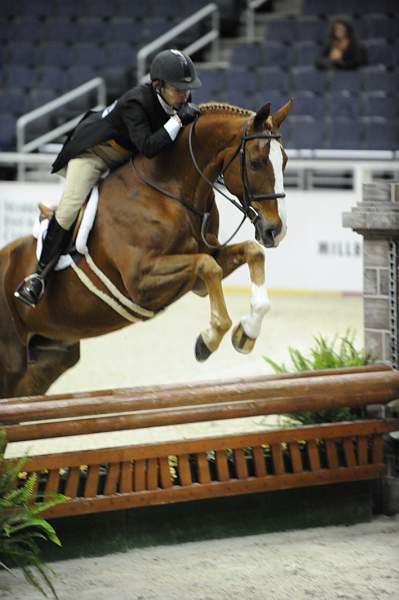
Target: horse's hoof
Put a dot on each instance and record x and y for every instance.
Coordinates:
(241, 341)
(202, 351)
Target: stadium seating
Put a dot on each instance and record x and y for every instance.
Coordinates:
(47, 48)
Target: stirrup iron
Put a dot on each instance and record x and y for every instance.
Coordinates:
(31, 290)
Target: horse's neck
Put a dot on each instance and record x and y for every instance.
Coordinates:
(214, 133)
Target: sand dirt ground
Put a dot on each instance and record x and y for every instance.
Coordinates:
(360, 562)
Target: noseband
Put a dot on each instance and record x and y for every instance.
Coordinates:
(247, 197)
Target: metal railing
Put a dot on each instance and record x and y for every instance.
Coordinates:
(252, 5)
(24, 147)
(212, 37)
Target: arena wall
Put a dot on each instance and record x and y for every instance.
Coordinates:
(318, 254)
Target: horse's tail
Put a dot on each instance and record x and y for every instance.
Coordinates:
(12, 348)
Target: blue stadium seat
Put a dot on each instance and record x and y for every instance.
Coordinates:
(379, 104)
(28, 29)
(188, 7)
(18, 76)
(273, 78)
(308, 78)
(247, 55)
(305, 133)
(94, 31)
(378, 26)
(276, 54)
(15, 9)
(61, 29)
(344, 134)
(308, 103)
(156, 28)
(395, 59)
(238, 78)
(22, 53)
(213, 81)
(50, 78)
(13, 101)
(343, 104)
(88, 54)
(329, 7)
(119, 55)
(7, 132)
(378, 78)
(68, 8)
(281, 30)
(345, 80)
(77, 75)
(311, 29)
(239, 98)
(98, 9)
(41, 8)
(124, 32)
(164, 9)
(379, 52)
(380, 134)
(6, 30)
(306, 53)
(38, 97)
(134, 10)
(56, 54)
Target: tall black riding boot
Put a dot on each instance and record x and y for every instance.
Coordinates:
(31, 290)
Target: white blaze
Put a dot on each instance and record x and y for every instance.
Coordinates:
(276, 159)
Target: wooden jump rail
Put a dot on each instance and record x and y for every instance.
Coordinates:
(156, 473)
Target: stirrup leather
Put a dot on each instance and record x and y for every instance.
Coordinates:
(31, 289)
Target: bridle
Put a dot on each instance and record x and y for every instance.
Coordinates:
(246, 208)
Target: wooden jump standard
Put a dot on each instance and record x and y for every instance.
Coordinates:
(156, 473)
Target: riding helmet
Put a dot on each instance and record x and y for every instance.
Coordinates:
(175, 68)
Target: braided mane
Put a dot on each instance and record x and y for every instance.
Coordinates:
(209, 107)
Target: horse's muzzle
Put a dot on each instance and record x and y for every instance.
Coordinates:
(265, 233)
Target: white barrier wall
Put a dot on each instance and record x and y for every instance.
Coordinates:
(317, 254)
(18, 206)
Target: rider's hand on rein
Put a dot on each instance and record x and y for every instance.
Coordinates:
(188, 113)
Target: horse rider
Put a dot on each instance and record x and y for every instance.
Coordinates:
(146, 119)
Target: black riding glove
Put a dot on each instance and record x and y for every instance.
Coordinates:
(188, 113)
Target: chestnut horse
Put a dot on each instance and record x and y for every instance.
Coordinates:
(153, 242)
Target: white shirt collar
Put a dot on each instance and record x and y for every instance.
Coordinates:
(168, 109)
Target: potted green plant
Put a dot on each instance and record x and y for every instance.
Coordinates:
(21, 527)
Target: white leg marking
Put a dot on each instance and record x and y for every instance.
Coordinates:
(260, 305)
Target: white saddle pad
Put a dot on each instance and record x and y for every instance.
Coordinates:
(40, 229)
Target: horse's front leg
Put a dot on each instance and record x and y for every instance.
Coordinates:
(230, 258)
(165, 272)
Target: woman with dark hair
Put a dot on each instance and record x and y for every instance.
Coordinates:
(343, 50)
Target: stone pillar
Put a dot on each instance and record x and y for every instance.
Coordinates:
(376, 218)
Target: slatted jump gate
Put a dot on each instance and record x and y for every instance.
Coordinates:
(167, 472)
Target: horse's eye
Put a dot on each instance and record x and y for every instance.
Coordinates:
(257, 164)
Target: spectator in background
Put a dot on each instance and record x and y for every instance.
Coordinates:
(343, 50)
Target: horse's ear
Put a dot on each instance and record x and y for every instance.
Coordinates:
(261, 115)
(280, 114)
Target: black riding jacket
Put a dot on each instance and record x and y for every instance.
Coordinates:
(135, 121)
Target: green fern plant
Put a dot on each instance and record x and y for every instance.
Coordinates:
(325, 354)
(21, 527)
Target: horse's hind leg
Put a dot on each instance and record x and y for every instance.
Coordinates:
(230, 258)
(48, 360)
